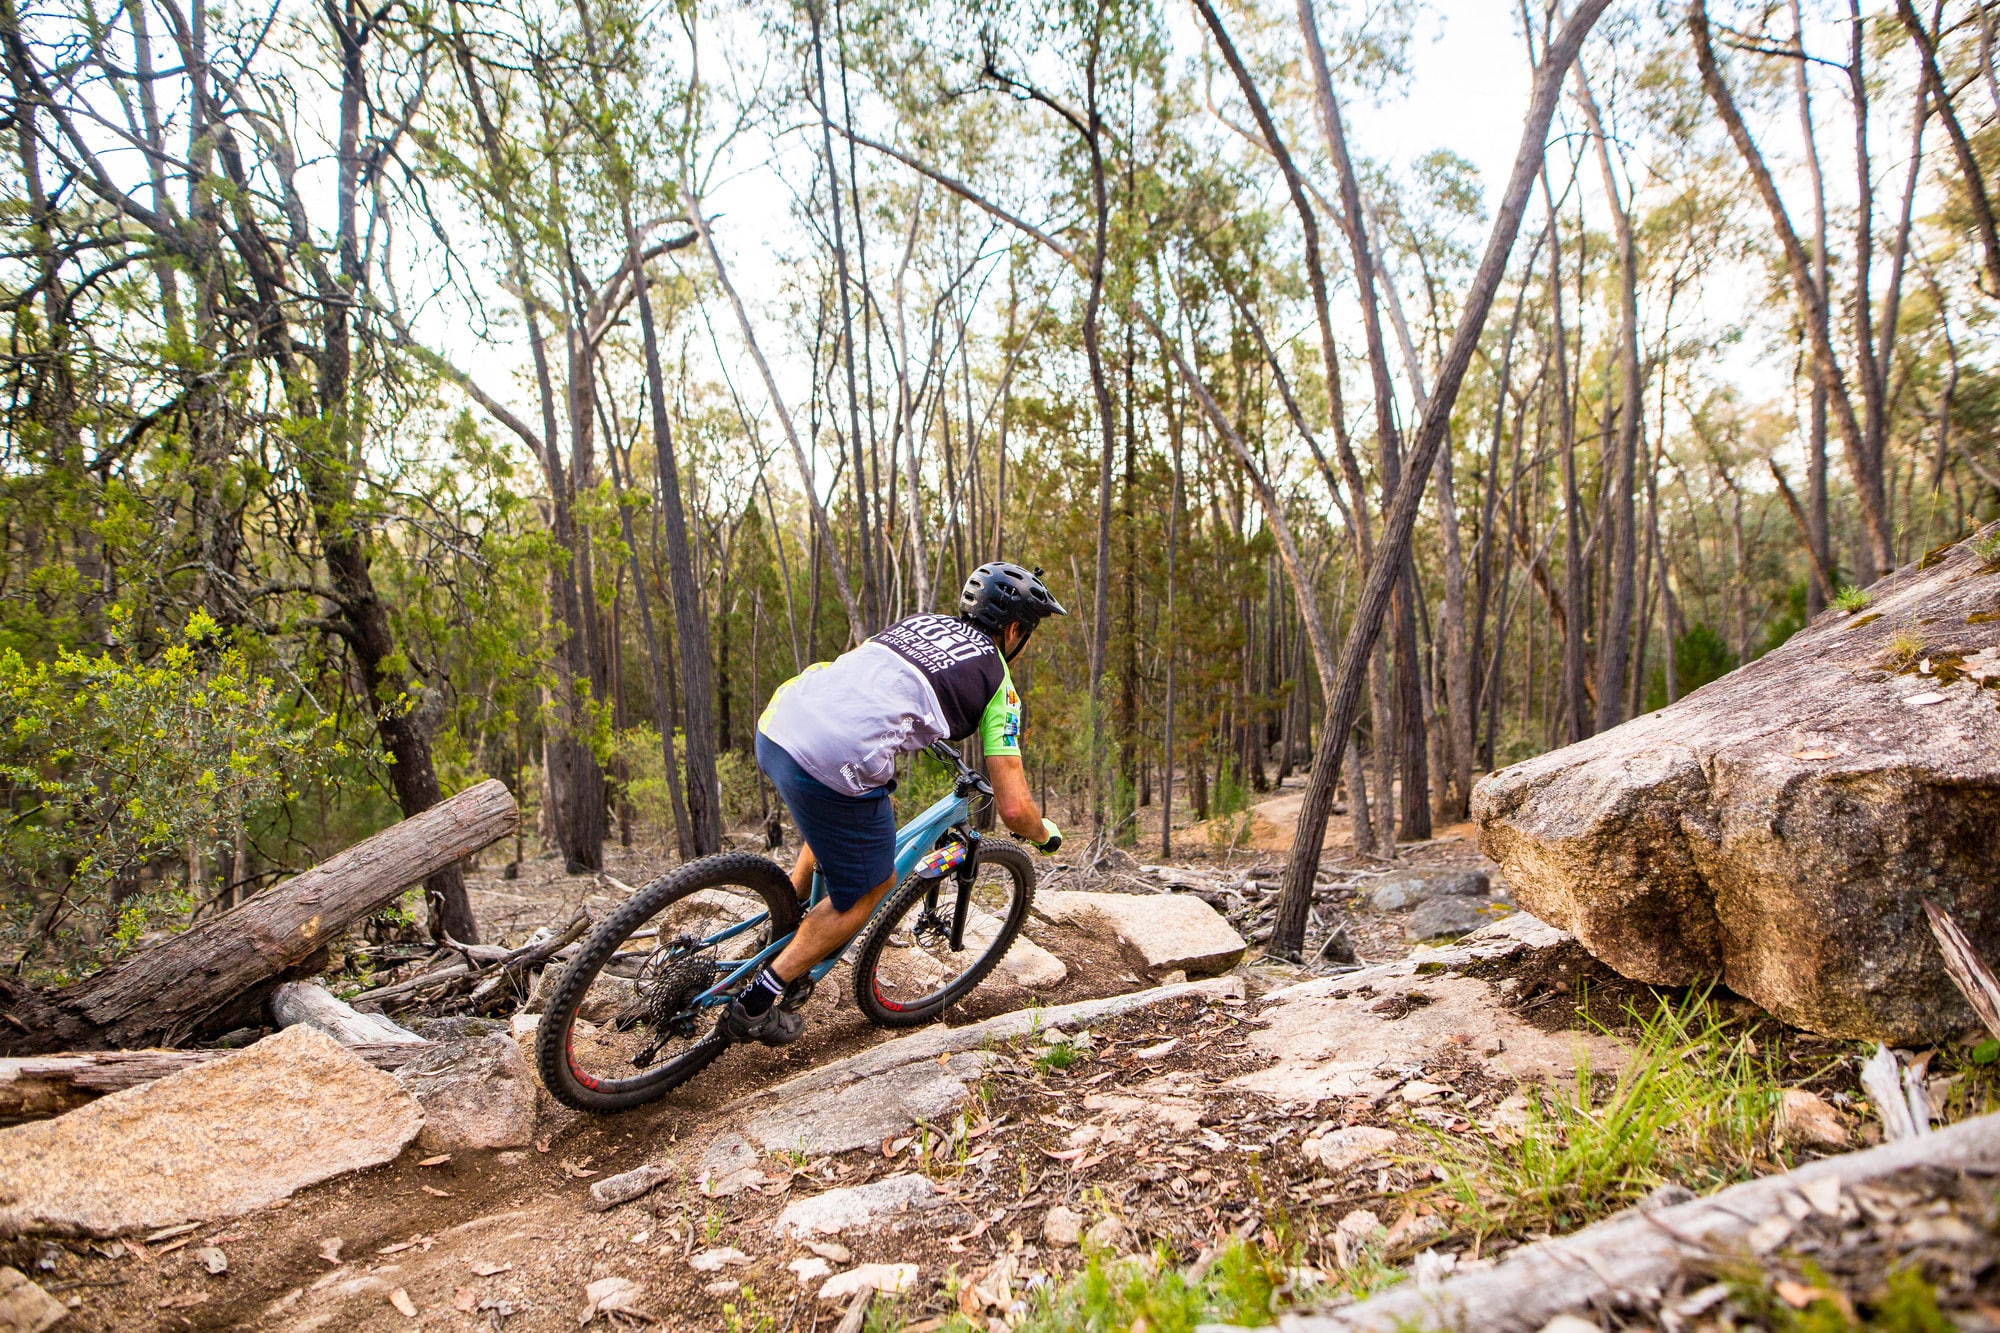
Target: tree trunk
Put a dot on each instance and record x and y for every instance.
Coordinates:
(1343, 695)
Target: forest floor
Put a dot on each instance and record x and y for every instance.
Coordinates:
(1318, 1125)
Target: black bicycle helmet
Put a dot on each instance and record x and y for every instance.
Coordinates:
(1000, 594)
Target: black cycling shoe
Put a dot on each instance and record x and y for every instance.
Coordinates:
(776, 1026)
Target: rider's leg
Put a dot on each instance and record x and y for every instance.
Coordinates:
(824, 929)
(802, 873)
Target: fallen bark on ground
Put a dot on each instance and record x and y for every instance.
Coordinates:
(44, 1085)
(1642, 1249)
(220, 970)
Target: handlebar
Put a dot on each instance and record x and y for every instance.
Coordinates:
(966, 779)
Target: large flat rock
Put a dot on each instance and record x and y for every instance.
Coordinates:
(210, 1142)
(1164, 931)
(886, 1090)
(1347, 1036)
(1781, 828)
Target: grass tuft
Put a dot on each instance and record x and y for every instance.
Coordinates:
(1905, 648)
(1851, 599)
(1059, 1056)
(1243, 1286)
(1694, 1105)
(1987, 548)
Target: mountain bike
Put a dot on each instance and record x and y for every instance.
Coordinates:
(635, 1012)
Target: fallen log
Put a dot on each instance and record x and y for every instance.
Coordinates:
(44, 1085)
(221, 969)
(1642, 1248)
(310, 1003)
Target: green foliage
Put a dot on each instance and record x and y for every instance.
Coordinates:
(646, 779)
(114, 767)
(925, 781)
(1851, 599)
(1242, 1287)
(1788, 621)
(1907, 1304)
(1059, 1056)
(1694, 1105)
(1700, 656)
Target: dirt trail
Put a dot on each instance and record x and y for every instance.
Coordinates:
(1179, 1123)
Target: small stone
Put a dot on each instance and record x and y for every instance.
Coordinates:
(25, 1307)
(722, 1288)
(1569, 1323)
(809, 1269)
(212, 1258)
(1417, 1092)
(830, 1250)
(889, 1279)
(1805, 1118)
(1340, 1149)
(1359, 1225)
(1062, 1226)
(716, 1259)
(611, 1293)
(729, 1165)
(1439, 918)
(1108, 1234)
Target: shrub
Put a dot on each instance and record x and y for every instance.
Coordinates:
(1851, 599)
(646, 779)
(111, 766)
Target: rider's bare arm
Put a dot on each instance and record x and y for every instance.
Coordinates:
(1011, 799)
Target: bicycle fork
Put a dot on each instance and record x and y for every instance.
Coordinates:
(960, 858)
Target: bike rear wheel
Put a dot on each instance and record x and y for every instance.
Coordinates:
(621, 1027)
(906, 973)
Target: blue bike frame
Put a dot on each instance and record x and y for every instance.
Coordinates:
(915, 844)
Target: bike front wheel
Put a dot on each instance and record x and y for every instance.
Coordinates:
(627, 1022)
(906, 973)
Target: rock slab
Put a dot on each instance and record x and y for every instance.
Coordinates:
(1163, 931)
(210, 1142)
(857, 1207)
(1781, 828)
(476, 1094)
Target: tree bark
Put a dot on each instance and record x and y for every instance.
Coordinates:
(1642, 1249)
(1344, 693)
(1414, 813)
(1863, 467)
(1613, 646)
(197, 981)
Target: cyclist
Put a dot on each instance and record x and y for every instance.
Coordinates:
(829, 739)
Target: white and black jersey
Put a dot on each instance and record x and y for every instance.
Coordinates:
(922, 679)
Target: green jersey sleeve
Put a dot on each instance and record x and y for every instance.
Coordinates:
(1000, 725)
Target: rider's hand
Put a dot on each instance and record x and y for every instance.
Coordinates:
(1051, 842)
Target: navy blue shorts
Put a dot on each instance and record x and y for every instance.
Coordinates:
(852, 837)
